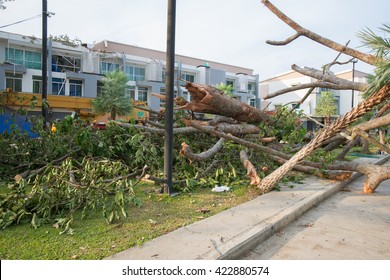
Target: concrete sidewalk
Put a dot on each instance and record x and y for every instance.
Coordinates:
(233, 232)
(348, 226)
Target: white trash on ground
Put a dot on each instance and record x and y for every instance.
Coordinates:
(220, 189)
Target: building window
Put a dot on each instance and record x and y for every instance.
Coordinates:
(29, 59)
(251, 88)
(162, 102)
(252, 102)
(61, 63)
(337, 103)
(106, 67)
(99, 88)
(139, 74)
(188, 77)
(230, 82)
(295, 104)
(13, 81)
(135, 73)
(143, 94)
(164, 75)
(130, 92)
(58, 86)
(32, 60)
(76, 88)
(37, 84)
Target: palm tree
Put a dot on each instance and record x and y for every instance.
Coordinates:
(226, 89)
(381, 47)
(112, 99)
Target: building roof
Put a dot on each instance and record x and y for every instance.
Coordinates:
(115, 47)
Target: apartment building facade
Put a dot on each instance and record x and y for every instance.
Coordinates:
(78, 71)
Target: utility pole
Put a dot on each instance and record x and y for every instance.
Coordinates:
(169, 85)
(44, 63)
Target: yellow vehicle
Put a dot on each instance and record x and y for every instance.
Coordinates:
(60, 103)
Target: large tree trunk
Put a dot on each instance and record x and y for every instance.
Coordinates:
(208, 99)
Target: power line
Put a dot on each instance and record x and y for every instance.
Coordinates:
(20, 21)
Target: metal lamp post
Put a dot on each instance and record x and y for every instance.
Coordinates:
(44, 62)
(169, 84)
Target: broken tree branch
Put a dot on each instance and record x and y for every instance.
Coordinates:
(285, 42)
(371, 140)
(235, 129)
(321, 76)
(368, 58)
(373, 123)
(188, 153)
(251, 170)
(375, 175)
(317, 171)
(308, 85)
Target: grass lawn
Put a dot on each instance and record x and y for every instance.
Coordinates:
(93, 238)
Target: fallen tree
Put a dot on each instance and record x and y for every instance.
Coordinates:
(377, 97)
(240, 141)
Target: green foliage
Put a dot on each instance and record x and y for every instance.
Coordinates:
(227, 89)
(326, 106)
(65, 40)
(287, 125)
(61, 190)
(381, 47)
(112, 99)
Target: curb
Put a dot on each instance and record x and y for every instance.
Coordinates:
(235, 247)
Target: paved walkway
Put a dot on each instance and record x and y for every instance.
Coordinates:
(349, 225)
(231, 233)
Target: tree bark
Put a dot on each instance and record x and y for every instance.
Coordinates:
(326, 174)
(332, 79)
(370, 59)
(235, 129)
(208, 99)
(347, 148)
(251, 170)
(309, 85)
(187, 152)
(373, 123)
(375, 175)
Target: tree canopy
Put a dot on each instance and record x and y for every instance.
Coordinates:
(326, 106)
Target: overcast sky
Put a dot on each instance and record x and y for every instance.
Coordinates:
(228, 31)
